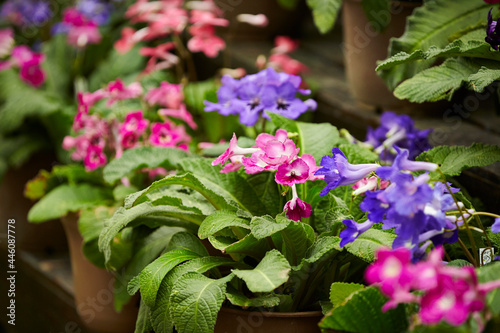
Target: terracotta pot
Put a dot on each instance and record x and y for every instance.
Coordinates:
(239, 321)
(47, 236)
(93, 288)
(363, 46)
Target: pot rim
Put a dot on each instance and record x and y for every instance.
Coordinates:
(277, 314)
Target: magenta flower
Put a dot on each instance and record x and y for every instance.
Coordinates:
(132, 128)
(117, 91)
(292, 173)
(296, 208)
(95, 158)
(164, 135)
(31, 71)
(233, 150)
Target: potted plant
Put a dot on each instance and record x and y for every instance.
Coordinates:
(367, 28)
(462, 51)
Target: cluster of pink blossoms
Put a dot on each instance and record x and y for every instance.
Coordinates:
(277, 153)
(446, 292)
(81, 30)
(28, 62)
(98, 137)
(171, 17)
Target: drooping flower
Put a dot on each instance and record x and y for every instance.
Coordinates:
(296, 209)
(338, 171)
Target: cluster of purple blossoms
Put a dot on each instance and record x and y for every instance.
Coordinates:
(26, 12)
(397, 130)
(274, 153)
(445, 293)
(414, 207)
(253, 94)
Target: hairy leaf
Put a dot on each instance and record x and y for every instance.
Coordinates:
(220, 220)
(368, 242)
(324, 13)
(341, 291)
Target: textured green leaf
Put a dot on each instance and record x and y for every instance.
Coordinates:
(358, 155)
(142, 157)
(123, 217)
(373, 10)
(143, 323)
(270, 273)
(248, 245)
(192, 201)
(483, 78)
(324, 13)
(439, 82)
(196, 301)
(322, 246)
(297, 239)
(452, 160)
(317, 139)
(187, 241)
(431, 25)
(160, 313)
(152, 275)
(220, 220)
(236, 297)
(366, 304)
(265, 226)
(67, 198)
(340, 292)
(267, 191)
(368, 242)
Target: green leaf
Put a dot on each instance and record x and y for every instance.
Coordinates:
(373, 8)
(196, 301)
(358, 155)
(267, 190)
(490, 273)
(67, 198)
(321, 247)
(297, 238)
(153, 274)
(161, 314)
(452, 160)
(288, 4)
(220, 220)
(366, 304)
(431, 25)
(187, 241)
(367, 243)
(340, 292)
(123, 217)
(270, 273)
(142, 157)
(437, 83)
(143, 323)
(237, 298)
(324, 13)
(58, 57)
(483, 78)
(265, 226)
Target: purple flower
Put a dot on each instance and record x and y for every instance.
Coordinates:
(496, 226)
(338, 171)
(228, 98)
(403, 163)
(374, 206)
(281, 100)
(492, 32)
(353, 230)
(397, 130)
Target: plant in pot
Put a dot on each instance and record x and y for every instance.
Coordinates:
(460, 52)
(279, 253)
(118, 121)
(367, 28)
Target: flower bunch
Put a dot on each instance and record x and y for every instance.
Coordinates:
(274, 153)
(26, 12)
(445, 292)
(28, 62)
(98, 136)
(169, 19)
(267, 90)
(397, 130)
(81, 23)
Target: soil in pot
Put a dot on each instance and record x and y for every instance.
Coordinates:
(46, 237)
(93, 288)
(240, 321)
(363, 46)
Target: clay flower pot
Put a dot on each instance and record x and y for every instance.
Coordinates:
(93, 288)
(363, 46)
(236, 321)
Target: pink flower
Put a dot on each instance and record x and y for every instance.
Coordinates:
(204, 40)
(180, 113)
(233, 150)
(167, 95)
(117, 91)
(127, 42)
(285, 63)
(170, 20)
(201, 17)
(284, 44)
(89, 99)
(368, 184)
(159, 53)
(297, 209)
(132, 128)
(259, 20)
(294, 173)
(6, 42)
(95, 158)
(166, 135)
(31, 71)
(313, 167)
(234, 165)
(278, 152)
(82, 36)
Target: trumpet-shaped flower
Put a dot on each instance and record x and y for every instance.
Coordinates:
(496, 226)
(297, 209)
(353, 230)
(338, 171)
(233, 150)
